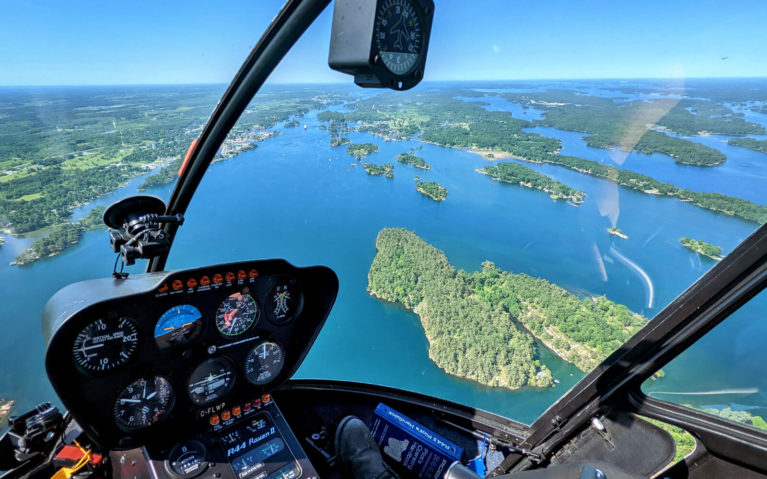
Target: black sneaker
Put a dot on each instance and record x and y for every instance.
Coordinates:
(357, 452)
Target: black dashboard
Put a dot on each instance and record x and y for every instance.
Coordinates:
(183, 362)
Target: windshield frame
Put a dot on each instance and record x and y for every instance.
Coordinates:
(288, 26)
(702, 306)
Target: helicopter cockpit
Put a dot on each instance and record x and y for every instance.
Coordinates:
(217, 367)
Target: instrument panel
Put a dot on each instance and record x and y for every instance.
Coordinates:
(161, 356)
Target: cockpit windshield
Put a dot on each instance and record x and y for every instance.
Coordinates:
(561, 174)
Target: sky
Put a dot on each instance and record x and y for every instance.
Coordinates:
(141, 42)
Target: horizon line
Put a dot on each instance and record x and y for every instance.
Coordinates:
(515, 80)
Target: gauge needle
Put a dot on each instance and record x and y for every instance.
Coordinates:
(85, 348)
(152, 395)
(143, 395)
(130, 400)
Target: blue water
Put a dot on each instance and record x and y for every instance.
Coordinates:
(743, 175)
(297, 198)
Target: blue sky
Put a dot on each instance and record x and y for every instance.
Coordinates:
(103, 42)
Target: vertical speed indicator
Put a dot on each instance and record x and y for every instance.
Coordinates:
(103, 345)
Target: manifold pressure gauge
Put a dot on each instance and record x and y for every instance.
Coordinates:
(383, 43)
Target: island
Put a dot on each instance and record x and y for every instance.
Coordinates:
(438, 117)
(517, 174)
(387, 169)
(5, 409)
(411, 159)
(615, 231)
(61, 237)
(2, 240)
(339, 141)
(750, 143)
(359, 150)
(432, 189)
(491, 316)
(702, 248)
(291, 124)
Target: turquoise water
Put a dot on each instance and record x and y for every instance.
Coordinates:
(297, 198)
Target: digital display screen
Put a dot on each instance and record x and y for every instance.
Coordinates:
(257, 450)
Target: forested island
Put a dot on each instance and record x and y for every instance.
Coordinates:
(750, 143)
(359, 150)
(61, 237)
(339, 141)
(387, 169)
(411, 159)
(702, 248)
(443, 120)
(615, 231)
(432, 189)
(480, 325)
(517, 174)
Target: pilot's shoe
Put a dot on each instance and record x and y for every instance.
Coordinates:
(357, 452)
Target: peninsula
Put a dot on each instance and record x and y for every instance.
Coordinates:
(517, 174)
(750, 143)
(61, 237)
(702, 248)
(491, 315)
(432, 189)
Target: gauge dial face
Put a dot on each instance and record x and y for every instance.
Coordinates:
(178, 326)
(236, 314)
(104, 345)
(284, 303)
(264, 362)
(187, 459)
(210, 381)
(397, 35)
(143, 403)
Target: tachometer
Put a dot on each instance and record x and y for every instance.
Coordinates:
(264, 362)
(236, 314)
(177, 326)
(210, 381)
(144, 402)
(105, 344)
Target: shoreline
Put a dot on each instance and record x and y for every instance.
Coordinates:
(573, 200)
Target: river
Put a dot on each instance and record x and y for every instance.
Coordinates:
(297, 198)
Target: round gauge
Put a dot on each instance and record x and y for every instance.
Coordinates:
(177, 326)
(104, 345)
(284, 302)
(398, 36)
(143, 403)
(236, 313)
(210, 381)
(187, 459)
(264, 362)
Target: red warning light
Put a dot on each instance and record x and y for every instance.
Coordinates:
(164, 288)
(178, 285)
(229, 277)
(241, 274)
(191, 283)
(204, 281)
(253, 273)
(217, 278)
